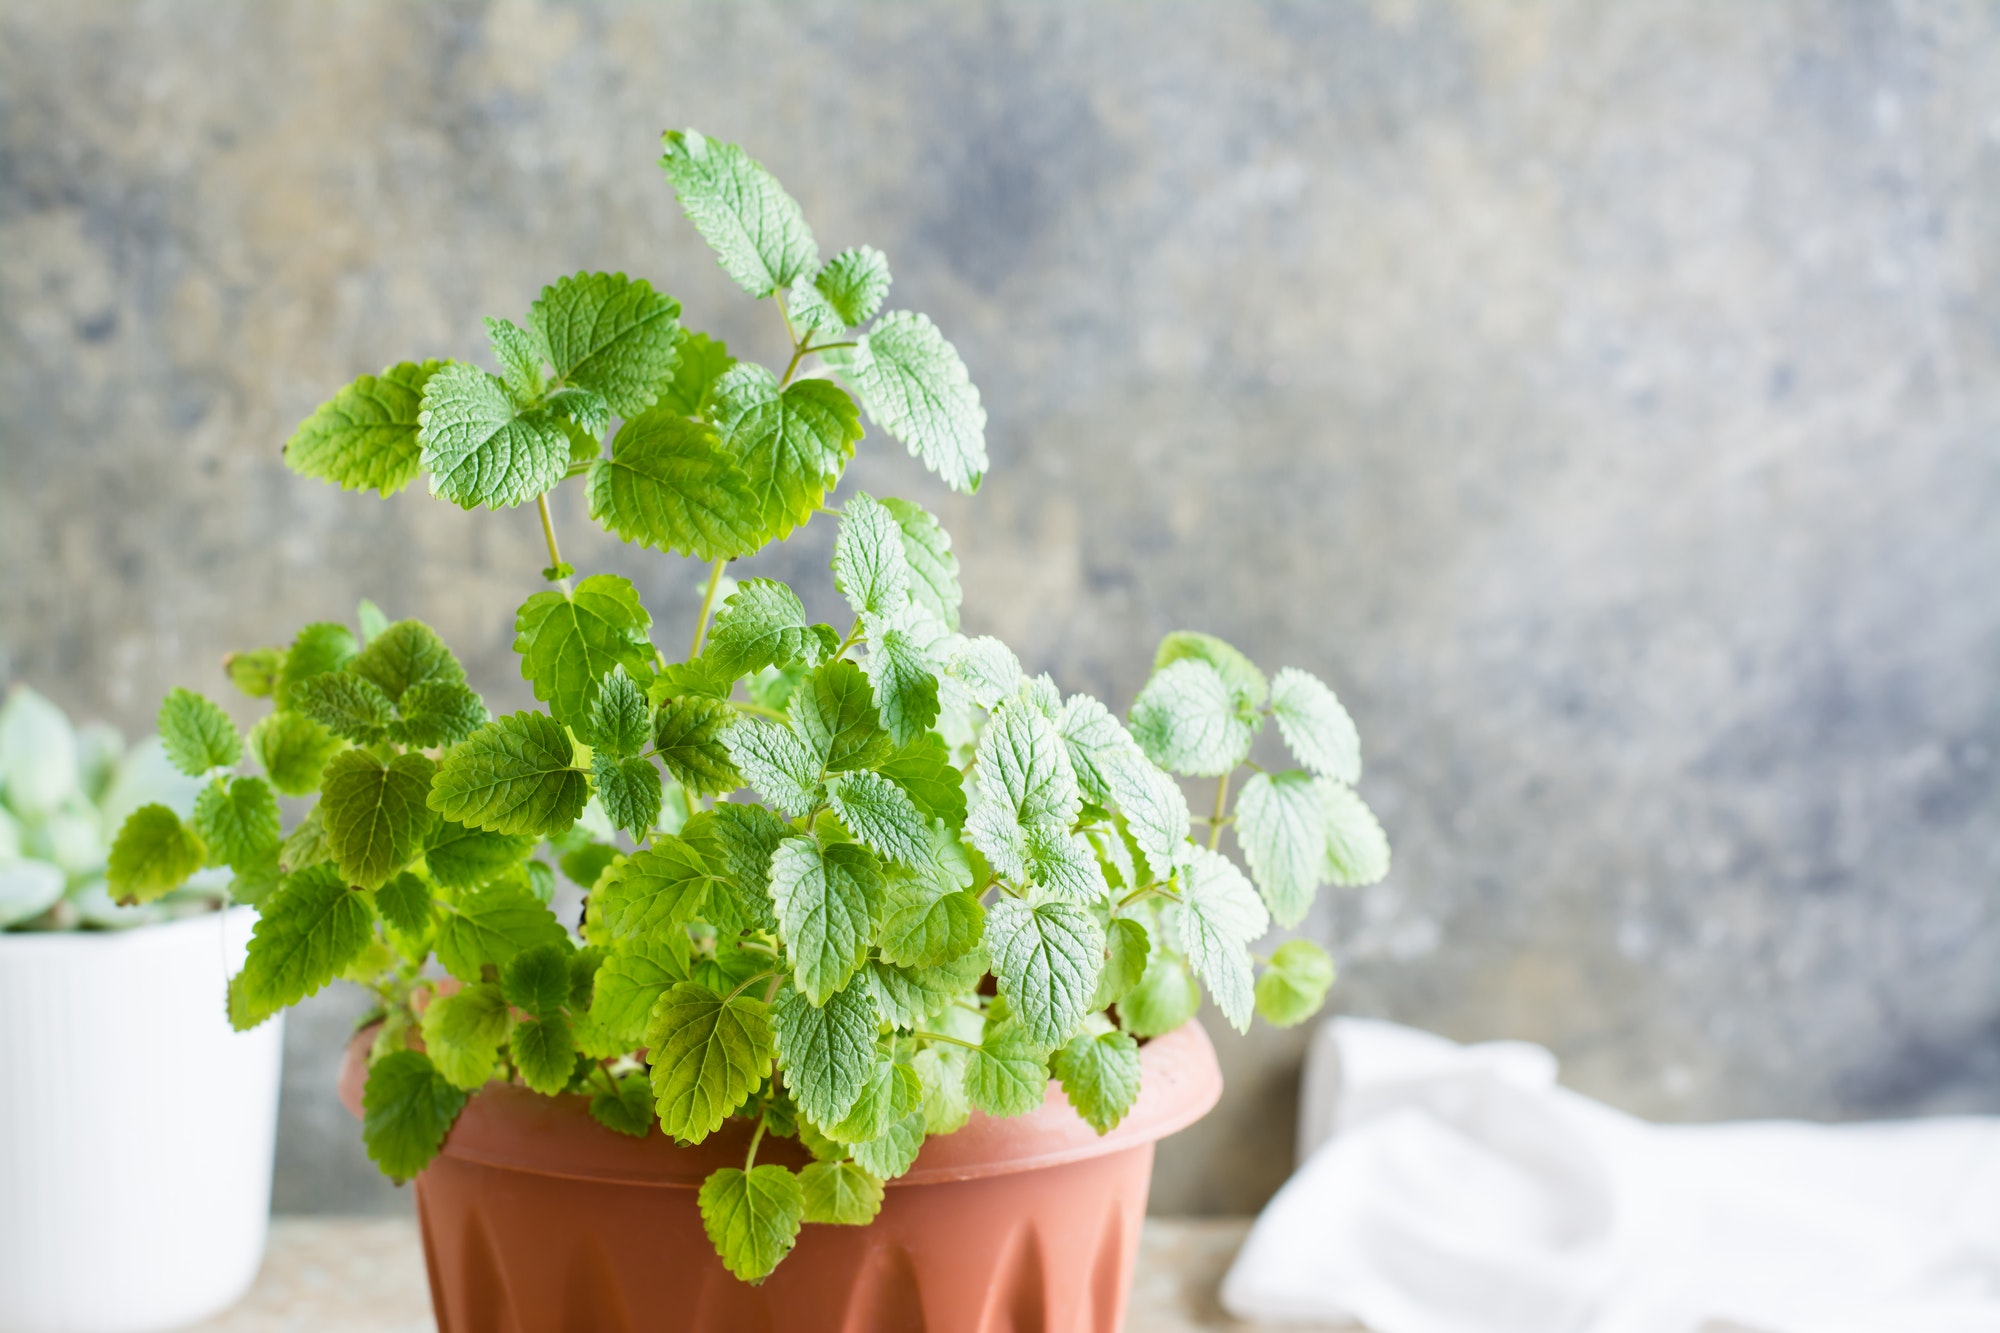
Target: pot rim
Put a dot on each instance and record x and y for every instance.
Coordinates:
(152, 932)
(512, 1128)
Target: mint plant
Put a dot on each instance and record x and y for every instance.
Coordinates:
(846, 884)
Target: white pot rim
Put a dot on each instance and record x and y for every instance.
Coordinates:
(26, 941)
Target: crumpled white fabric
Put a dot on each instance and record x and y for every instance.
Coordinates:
(1460, 1189)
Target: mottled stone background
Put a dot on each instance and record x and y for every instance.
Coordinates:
(1606, 398)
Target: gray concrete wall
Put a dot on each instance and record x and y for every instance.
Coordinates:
(1604, 397)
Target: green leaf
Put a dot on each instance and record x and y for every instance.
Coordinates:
(463, 858)
(933, 568)
(491, 925)
(906, 691)
(702, 361)
(538, 979)
(630, 792)
(688, 736)
(847, 291)
(320, 647)
(708, 1055)
(776, 762)
(1126, 947)
(827, 1050)
(350, 707)
(882, 815)
(941, 1069)
(544, 1052)
(657, 890)
(1357, 850)
(586, 864)
(520, 354)
(611, 334)
(1294, 986)
(463, 1032)
(1007, 1075)
(833, 713)
(986, 669)
(438, 713)
(893, 1151)
(516, 774)
(197, 734)
(310, 929)
(1024, 781)
(404, 655)
(1156, 814)
(1281, 826)
(480, 448)
(1220, 914)
(374, 813)
(631, 982)
(1187, 721)
(840, 1194)
(923, 768)
(869, 565)
(1046, 958)
(1100, 1076)
(365, 436)
(669, 484)
(406, 1110)
(1099, 747)
(306, 845)
(790, 442)
(752, 1217)
(761, 624)
(828, 900)
(255, 672)
(293, 750)
(373, 623)
(916, 388)
(738, 840)
(238, 823)
(929, 921)
(1245, 681)
(569, 642)
(1165, 997)
(152, 855)
(629, 1110)
(756, 230)
(405, 903)
(1316, 728)
(1064, 864)
(889, 1091)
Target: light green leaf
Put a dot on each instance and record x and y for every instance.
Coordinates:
(480, 448)
(544, 1052)
(840, 1194)
(438, 713)
(889, 1091)
(869, 565)
(463, 858)
(1220, 914)
(756, 230)
(1064, 865)
(632, 980)
(255, 672)
(1281, 826)
(941, 1069)
(847, 291)
(669, 484)
(319, 647)
(1245, 681)
(516, 774)
(708, 1055)
(406, 1110)
(1165, 997)
(404, 655)
(987, 670)
(776, 762)
(1046, 958)
(1007, 1075)
(350, 707)
(1357, 850)
(909, 996)
(738, 840)
(828, 901)
(882, 815)
(906, 691)
(761, 624)
(1294, 986)
(752, 1217)
(293, 750)
(405, 903)
(827, 1050)
(463, 1032)
(923, 768)
(891, 1153)
(491, 925)
(238, 822)
(310, 929)
(538, 979)
(791, 443)
(305, 846)
(916, 388)
(1099, 746)
(630, 792)
(656, 891)
(365, 436)
(152, 855)
(628, 1111)
(703, 360)
(374, 813)
(569, 642)
(929, 921)
(198, 735)
(1126, 948)
(1156, 813)
(833, 713)
(1100, 1076)
(520, 354)
(933, 568)
(1187, 721)
(373, 623)
(1024, 781)
(611, 334)
(1316, 728)
(690, 737)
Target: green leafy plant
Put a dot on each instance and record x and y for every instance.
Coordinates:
(958, 881)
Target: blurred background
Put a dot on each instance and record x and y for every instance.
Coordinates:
(1605, 399)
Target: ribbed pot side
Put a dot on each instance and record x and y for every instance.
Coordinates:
(536, 1218)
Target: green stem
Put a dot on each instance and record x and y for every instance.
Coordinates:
(707, 604)
(1221, 811)
(759, 709)
(939, 1036)
(761, 976)
(853, 637)
(750, 1158)
(549, 535)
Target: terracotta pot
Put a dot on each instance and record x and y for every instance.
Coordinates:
(536, 1218)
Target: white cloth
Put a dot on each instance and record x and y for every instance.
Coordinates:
(1459, 1189)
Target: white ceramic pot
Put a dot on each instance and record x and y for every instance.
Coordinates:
(136, 1128)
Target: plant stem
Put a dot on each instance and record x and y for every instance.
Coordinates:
(707, 603)
(549, 535)
(750, 1158)
(939, 1036)
(743, 705)
(853, 637)
(761, 976)
(1221, 810)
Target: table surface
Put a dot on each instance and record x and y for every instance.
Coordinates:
(366, 1275)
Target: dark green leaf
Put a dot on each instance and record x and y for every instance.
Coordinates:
(374, 813)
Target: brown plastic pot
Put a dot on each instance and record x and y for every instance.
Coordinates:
(537, 1219)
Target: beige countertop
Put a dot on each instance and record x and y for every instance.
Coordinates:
(366, 1275)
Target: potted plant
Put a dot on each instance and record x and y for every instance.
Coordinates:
(128, 1200)
(855, 894)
